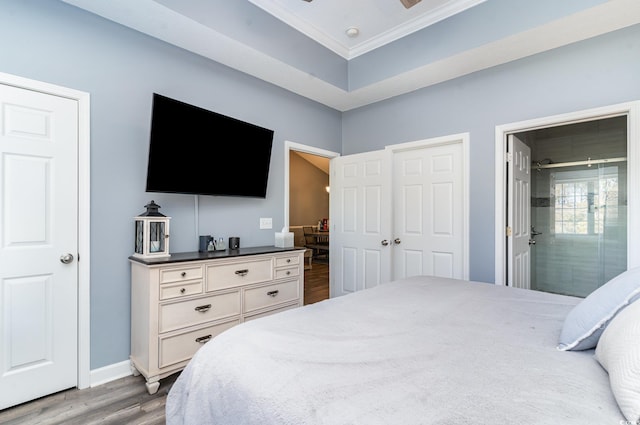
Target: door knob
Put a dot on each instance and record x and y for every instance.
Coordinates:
(66, 258)
(532, 241)
(396, 241)
(385, 242)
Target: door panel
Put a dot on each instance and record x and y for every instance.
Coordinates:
(38, 224)
(428, 212)
(360, 221)
(519, 178)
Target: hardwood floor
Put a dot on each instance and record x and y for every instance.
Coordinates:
(316, 283)
(126, 400)
(123, 401)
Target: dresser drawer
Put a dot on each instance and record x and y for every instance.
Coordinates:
(200, 310)
(222, 276)
(181, 347)
(270, 312)
(180, 289)
(288, 272)
(287, 261)
(270, 295)
(180, 273)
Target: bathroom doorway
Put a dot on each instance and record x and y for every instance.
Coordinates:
(578, 205)
(581, 209)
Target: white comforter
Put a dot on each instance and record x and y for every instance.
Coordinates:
(418, 351)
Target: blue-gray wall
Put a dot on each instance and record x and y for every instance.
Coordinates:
(593, 73)
(56, 43)
(51, 41)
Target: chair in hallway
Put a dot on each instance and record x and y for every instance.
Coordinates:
(318, 243)
(300, 242)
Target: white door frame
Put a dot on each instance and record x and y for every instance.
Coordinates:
(292, 146)
(84, 254)
(632, 111)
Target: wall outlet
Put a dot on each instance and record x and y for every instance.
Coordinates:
(266, 223)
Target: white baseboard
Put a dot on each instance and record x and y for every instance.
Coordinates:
(110, 373)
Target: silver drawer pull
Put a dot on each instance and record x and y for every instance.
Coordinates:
(272, 293)
(242, 272)
(203, 339)
(203, 308)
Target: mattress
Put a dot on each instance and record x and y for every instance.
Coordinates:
(422, 350)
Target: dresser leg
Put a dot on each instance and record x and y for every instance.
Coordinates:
(152, 386)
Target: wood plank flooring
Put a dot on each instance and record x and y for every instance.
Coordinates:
(316, 283)
(125, 401)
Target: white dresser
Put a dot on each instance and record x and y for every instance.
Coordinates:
(180, 303)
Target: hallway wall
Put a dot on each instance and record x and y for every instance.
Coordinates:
(308, 198)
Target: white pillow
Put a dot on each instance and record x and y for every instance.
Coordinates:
(618, 352)
(586, 321)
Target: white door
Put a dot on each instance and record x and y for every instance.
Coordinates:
(519, 216)
(38, 236)
(360, 214)
(428, 212)
(398, 213)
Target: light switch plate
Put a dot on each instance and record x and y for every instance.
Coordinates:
(266, 223)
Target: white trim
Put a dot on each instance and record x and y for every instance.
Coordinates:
(462, 138)
(84, 253)
(110, 373)
(632, 111)
(293, 146)
(350, 48)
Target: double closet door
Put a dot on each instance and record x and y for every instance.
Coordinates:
(399, 212)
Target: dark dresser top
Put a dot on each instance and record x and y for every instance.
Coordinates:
(178, 257)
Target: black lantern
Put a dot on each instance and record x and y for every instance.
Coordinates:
(152, 233)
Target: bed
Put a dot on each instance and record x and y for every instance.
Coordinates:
(422, 350)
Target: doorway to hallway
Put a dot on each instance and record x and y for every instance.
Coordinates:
(307, 202)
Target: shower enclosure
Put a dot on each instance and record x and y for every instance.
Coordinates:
(579, 224)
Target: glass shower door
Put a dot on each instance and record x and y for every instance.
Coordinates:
(581, 227)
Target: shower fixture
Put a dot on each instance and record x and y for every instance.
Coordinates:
(542, 162)
(534, 233)
(548, 163)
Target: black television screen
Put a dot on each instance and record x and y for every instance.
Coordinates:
(196, 151)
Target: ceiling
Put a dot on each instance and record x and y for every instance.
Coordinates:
(320, 162)
(210, 29)
(353, 27)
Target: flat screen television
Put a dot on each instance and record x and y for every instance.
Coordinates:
(196, 151)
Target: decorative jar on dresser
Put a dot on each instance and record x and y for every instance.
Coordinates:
(180, 303)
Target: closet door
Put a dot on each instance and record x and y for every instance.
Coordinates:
(39, 244)
(399, 212)
(360, 211)
(428, 211)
